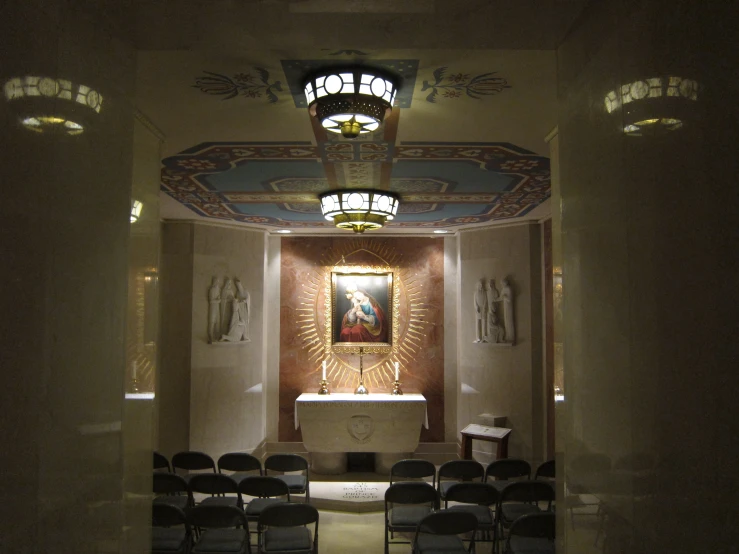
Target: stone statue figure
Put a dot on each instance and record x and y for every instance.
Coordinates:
(227, 297)
(495, 331)
(506, 294)
(214, 311)
(481, 306)
(237, 326)
(244, 306)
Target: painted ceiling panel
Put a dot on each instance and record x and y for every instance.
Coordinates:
(457, 147)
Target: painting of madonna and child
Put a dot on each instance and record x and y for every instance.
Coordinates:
(361, 308)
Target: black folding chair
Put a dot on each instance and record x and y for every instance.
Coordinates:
(170, 531)
(521, 498)
(439, 533)
(161, 462)
(457, 471)
(405, 470)
(171, 489)
(283, 529)
(546, 470)
(265, 491)
(532, 534)
(406, 504)
(505, 470)
(192, 461)
(241, 464)
(223, 529)
(222, 489)
(290, 463)
(479, 499)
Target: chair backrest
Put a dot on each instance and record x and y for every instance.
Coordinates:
(191, 460)
(161, 462)
(213, 483)
(263, 486)
(168, 483)
(413, 469)
(239, 461)
(540, 525)
(166, 515)
(285, 462)
(461, 469)
(411, 492)
(508, 468)
(546, 470)
(217, 516)
(528, 491)
(483, 494)
(288, 515)
(448, 522)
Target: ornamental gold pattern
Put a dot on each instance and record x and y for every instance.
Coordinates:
(316, 338)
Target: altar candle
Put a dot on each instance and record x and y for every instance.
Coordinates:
(397, 375)
(134, 370)
(324, 370)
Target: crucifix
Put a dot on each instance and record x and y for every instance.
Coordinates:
(361, 389)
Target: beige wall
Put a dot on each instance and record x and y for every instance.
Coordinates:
(495, 379)
(226, 401)
(212, 396)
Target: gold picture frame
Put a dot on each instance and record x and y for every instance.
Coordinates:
(362, 309)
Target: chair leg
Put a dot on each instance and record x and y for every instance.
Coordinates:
(387, 540)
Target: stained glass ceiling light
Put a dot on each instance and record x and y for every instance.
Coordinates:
(351, 101)
(359, 209)
(51, 105)
(655, 105)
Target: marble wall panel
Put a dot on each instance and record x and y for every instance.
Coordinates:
(65, 213)
(226, 401)
(304, 265)
(176, 338)
(649, 265)
(497, 379)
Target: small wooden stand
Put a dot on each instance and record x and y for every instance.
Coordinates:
(498, 435)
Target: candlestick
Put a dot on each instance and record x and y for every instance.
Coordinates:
(361, 389)
(397, 374)
(396, 388)
(134, 370)
(324, 370)
(324, 387)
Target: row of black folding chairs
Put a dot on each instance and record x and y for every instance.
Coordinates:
(447, 530)
(498, 473)
(241, 465)
(495, 509)
(207, 529)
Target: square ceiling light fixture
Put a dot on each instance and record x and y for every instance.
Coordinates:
(359, 209)
(353, 101)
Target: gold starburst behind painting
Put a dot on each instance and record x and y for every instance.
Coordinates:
(408, 325)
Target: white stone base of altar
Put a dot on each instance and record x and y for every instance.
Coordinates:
(349, 496)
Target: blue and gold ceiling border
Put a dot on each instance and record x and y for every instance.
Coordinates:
(275, 184)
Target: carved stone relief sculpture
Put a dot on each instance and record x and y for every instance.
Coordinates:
(489, 327)
(228, 312)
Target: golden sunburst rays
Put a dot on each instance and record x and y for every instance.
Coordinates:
(342, 369)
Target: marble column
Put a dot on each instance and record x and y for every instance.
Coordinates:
(65, 215)
(649, 253)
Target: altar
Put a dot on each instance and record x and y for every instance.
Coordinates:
(345, 422)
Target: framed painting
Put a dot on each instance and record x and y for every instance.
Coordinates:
(362, 310)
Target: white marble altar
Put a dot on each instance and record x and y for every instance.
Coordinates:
(344, 422)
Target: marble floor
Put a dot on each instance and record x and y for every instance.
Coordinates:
(342, 532)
